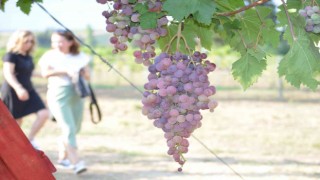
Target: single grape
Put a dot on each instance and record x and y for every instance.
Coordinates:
(316, 29)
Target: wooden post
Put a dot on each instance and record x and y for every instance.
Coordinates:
(18, 159)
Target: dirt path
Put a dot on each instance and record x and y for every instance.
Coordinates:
(261, 139)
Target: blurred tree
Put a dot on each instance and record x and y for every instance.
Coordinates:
(44, 38)
(90, 37)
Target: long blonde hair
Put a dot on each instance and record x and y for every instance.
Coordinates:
(17, 39)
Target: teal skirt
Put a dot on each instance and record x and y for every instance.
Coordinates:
(67, 108)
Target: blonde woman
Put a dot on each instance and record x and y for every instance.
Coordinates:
(18, 92)
(59, 65)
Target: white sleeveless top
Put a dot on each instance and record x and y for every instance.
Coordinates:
(65, 62)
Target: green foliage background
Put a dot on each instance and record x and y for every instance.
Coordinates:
(252, 33)
(122, 59)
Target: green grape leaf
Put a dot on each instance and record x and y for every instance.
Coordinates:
(148, 20)
(294, 4)
(298, 28)
(249, 67)
(206, 37)
(237, 43)
(190, 35)
(229, 5)
(315, 37)
(205, 10)
(227, 29)
(180, 9)
(252, 23)
(301, 63)
(140, 8)
(204, 33)
(294, 16)
(132, 1)
(163, 42)
(190, 32)
(281, 17)
(201, 10)
(25, 6)
(169, 43)
(2, 3)
(270, 34)
(250, 26)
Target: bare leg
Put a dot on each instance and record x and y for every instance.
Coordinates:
(72, 154)
(19, 121)
(62, 153)
(42, 117)
(79, 166)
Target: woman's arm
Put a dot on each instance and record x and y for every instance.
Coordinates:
(48, 71)
(9, 75)
(85, 72)
(36, 74)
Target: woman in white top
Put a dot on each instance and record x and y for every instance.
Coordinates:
(59, 65)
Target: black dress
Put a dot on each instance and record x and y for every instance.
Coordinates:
(23, 70)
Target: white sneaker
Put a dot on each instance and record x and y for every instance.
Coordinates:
(80, 167)
(34, 144)
(65, 164)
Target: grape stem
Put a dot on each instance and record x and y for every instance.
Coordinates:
(109, 8)
(178, 37)
(185, 42)
(179, 34)
(169, 44)
(231, 13)
(184, 159)
(314, 3)
(188, 49)
(289, 20)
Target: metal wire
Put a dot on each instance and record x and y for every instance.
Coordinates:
(220, 159)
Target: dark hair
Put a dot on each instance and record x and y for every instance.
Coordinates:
(74, 48)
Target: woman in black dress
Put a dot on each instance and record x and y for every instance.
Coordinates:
(17, 91)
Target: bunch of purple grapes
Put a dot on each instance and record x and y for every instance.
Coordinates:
(124, 23)
(312, 16)
(145, 40)
(178, 88)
